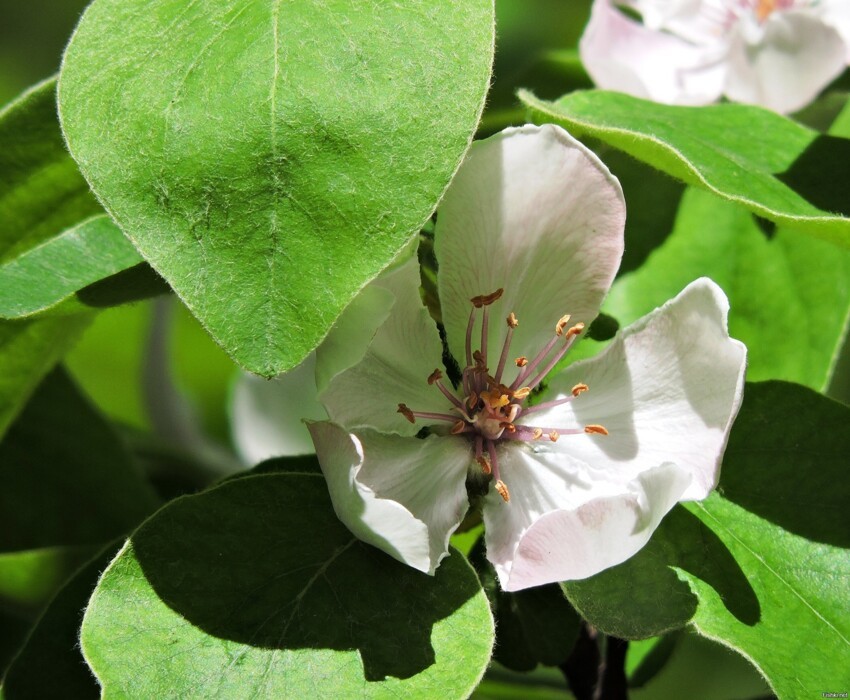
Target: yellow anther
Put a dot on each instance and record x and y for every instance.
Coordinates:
(537, 434)
(575, 330)
(554, 435)
(521, 361)
(458, 427)
(436, 375)
(486, 299)
(485, 464)
(561, 324)
(495, 399)
(596, 429)
(579, 389)
(502, 489)
(511, 320)
(522, 392)
(406, 412)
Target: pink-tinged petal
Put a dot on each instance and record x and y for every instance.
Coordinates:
(266, 415)
(667, 389)
(624, 55)
(534, 212)
(403, 495)
(569, 520)
(796, 57)
(395, 368)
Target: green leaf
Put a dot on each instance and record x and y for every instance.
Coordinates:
(29, 349)
(779, 169)
(50, 664)
(255, 589)
(41, 190)
(789, 296)
(66, 484)
(764, 564)
(54, 271)
(269, 159)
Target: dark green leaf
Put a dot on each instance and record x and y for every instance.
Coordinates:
(50, 664)
(762, 566)
(779, 169)
(255, 589)
(66, 485)
(269, 159)
(41, 190)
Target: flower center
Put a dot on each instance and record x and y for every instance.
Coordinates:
(488, 410)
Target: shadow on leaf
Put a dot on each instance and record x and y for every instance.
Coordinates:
(263, 561)
(821, 172)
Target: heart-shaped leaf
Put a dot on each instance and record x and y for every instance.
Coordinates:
(269, 159)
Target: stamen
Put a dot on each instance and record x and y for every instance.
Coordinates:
(569, 337)
(537, 434)
(561, 324)
(485, 330)
(469, 327)
(472, 400)
(579, 389)
(436, 375)
(507, 425)
(503, 358)
(479, 456)
(406, 412)
(454, 400)
(596, 429)
(547, 404)
(502, 490)
(554, 435)
(522, 393)
(459, 427)
(575, 330)
(521, 361)
(494, 462)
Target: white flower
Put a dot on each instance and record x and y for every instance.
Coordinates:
(776, 53)
(531, 229)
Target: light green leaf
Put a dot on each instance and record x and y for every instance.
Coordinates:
(762, 566)
(54, 271)
(269, 159)
(779, 169)
(41, 190)
(255, 589)
(789, 296)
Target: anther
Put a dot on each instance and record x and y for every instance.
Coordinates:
(472, 400)
(579, 389)
(435, 376)
(512, 320)
(485, 465)
(596, 429)
(458, 427)
(537, 434)
(522, 393)
(575, 330)
(503, 490)
(487, 299)
(406, 412)
(521, 361)
(561, 324)
(554, 435)
(510, 427)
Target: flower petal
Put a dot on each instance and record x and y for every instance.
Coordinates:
(534, 212)
(797, 57)
(403, 495)
(266, 415)
(395, 367)
(836, 13)
(667, 389)
(621, 54)
(567, 520)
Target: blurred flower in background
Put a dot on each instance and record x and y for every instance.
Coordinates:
(775, 53)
